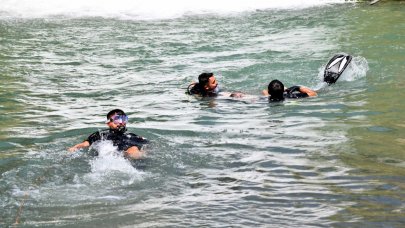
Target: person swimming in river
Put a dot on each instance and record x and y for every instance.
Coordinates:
(276, 91)
(130, 143)
(207, 86)
(333, 70)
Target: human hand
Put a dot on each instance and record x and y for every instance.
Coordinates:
(72, 149)
(237, 95)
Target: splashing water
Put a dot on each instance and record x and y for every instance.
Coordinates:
(145, 9)
(356, 69)
(110, 161)
(334, 160)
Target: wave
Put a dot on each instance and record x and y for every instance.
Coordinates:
(144, 9)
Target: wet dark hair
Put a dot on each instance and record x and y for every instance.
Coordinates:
(115, 111)
(276, 90)
(203, 78)
(199, 88)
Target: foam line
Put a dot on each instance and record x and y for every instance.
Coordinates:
(144, 9)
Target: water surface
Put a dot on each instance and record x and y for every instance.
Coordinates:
(334, 160)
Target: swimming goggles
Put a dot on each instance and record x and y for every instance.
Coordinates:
(118, 119)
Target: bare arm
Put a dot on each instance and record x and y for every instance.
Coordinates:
(134, 153)
(308, 91)
(232, 94)
(79, 146)
(237, 94)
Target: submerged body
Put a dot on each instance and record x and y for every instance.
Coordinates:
(197, 89)
(122, 140)
(276, 91)
(207, 86)
(298, 92)
(333, 70)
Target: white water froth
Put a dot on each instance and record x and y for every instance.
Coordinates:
(144, 9)
(356, 69)
(110, 162)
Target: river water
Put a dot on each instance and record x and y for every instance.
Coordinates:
(335, 160)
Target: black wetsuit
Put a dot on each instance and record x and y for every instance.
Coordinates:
(291, 93)
(122, 140)
(294, 94)
(196, 89)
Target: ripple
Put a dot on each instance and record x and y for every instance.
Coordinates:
(212, 162)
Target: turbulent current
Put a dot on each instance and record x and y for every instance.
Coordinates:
(335, 160)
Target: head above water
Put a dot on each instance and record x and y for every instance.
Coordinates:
(207, 81)
(276, 90)
(117, 120)
(115, 112)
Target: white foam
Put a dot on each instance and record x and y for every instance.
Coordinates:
(111, 164)
(356, 69)
(144, 9)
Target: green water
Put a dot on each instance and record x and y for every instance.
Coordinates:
(336, 160)
(378, 143)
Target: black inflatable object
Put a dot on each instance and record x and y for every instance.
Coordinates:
(335, 67)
